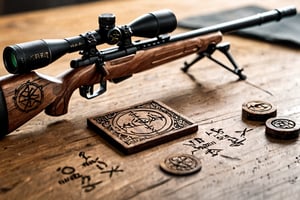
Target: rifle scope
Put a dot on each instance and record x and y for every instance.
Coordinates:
(24, 57)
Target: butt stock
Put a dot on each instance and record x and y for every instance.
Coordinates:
(24, 96)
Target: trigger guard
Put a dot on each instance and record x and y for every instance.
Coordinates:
(87, 91)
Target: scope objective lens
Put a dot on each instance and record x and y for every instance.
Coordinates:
(10, 59)
(13, 60)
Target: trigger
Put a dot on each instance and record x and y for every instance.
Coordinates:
(87, 91)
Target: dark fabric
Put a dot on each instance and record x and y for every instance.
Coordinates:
(286, 32)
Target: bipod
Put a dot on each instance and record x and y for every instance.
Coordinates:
(223, 48)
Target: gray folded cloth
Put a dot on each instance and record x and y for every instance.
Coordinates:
(286, 32)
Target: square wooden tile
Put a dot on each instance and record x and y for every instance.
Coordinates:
(142, 126)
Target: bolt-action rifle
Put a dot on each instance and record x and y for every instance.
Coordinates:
(27, 93)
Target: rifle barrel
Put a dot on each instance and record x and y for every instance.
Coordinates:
(226, 27)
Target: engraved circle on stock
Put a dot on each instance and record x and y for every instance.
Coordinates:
(181, 164)
(28, 96)
(142, 122)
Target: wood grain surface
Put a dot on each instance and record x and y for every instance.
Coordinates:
(61, 158)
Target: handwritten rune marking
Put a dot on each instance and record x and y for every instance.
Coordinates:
(218, 134)
(70, 173)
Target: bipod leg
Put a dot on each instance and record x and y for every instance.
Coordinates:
(187, 65)
(224, 48)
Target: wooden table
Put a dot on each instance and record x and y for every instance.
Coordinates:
(39, 158)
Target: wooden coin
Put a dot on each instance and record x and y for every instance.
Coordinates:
(257, 110)
(282, 128)
(181, 164)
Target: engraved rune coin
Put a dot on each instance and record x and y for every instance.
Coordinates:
(181, 164)
(257, 110)
(282, 128)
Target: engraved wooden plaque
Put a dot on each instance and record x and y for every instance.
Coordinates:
(142, 126)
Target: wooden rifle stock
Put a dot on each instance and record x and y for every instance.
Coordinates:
(147, 59)
(24, 96)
